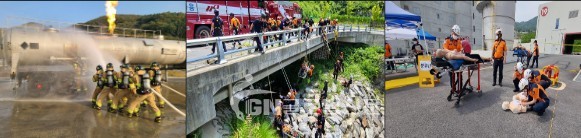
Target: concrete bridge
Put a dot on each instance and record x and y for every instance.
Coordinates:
(211, 84)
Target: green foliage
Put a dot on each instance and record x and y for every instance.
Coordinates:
(361, 61)
(171, 24)
(528, 26)
(258, 127)
(577, 46)
(526, 38)
(354, 12)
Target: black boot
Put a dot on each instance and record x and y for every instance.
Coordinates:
(157, 119)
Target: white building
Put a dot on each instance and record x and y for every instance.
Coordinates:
(438, 17)
(558, 25)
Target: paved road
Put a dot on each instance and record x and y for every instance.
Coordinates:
(72, 116)
(424, 112)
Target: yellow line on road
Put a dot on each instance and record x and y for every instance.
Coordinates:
(397, 83)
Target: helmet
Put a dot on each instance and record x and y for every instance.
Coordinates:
(456, 29)
(154, 64)
(216, 12)
(123, 66)
(138, 67)
(527, 73)
(263, 16)
(519, 66)
(231, 14)
(523, 82)
(498, 31)
(99, 67)
(109, 65)
(319, 111)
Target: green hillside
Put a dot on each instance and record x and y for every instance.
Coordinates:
(527, 26)
(354, 12)
(171, 24)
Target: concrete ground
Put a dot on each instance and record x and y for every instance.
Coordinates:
(67, 115)
(424, 112)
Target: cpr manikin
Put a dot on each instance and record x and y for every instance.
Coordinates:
(516, 105)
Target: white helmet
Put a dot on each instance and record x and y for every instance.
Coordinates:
(523, 82)
(527, 73)
(498, 30)
(456, 29)
(519, 66)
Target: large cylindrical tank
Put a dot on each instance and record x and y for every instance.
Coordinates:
(36, 47)
(497, 14)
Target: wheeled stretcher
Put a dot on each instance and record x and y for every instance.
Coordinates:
(456, 68)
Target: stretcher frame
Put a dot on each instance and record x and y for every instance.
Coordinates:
(459, 87)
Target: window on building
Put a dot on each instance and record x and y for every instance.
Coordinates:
(472, 3)
(573, 14)
(473, 28)
(474, 39)
(405, 7)
(439, 29)
(557, 24)
(472, 16)
(438, 15)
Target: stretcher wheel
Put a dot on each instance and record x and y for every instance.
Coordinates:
(449, 97)
(457, 103)
(479, 93)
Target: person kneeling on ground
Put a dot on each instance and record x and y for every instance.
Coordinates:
(518, 75)
(538, 99)
(516, 105)
(538, 77)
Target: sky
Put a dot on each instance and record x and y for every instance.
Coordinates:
(81, 11)
(526, 10)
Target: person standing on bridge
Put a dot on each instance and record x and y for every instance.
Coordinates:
(235, 27)
(535, 55)
(216, 30)
(143, 93)
(498, 54)
(258, 27)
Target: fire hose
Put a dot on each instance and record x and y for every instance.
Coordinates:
(166, 101)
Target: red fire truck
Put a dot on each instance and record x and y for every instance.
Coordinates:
(199, 14)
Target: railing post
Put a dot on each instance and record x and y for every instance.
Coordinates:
(260, 35)
(350, 28)
(284, 37)
(358, 28)
(300, 34)
(221, 58)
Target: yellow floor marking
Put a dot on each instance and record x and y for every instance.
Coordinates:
(397, 83)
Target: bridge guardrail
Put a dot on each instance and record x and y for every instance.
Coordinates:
(220, 54)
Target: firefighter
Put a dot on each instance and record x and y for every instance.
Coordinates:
(142, 92)
(124, 85)
(216, 30)
(110, 79)
(100, 84)
(258, 27)
(517, 76)
(155, 76)
(235, 27)
(538, 99)
(78, 77)
(535, 55)
(498, 53)
(538, 77)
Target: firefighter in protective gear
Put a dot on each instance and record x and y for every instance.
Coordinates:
(100, 84)
(124, 86)
(110, 79)
(142, 92)
(155, 76)
(78, 76)
(453, 42)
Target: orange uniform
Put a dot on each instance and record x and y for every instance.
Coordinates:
(453, 45)
(234, 23)
(387, 50)
(499, 49)
(535, 92)
(518, 75)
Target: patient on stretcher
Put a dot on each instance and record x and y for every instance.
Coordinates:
(452, 55)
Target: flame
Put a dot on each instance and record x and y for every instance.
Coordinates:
(111, 11)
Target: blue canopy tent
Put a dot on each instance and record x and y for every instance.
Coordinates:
(396, 17)
(425, 35)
